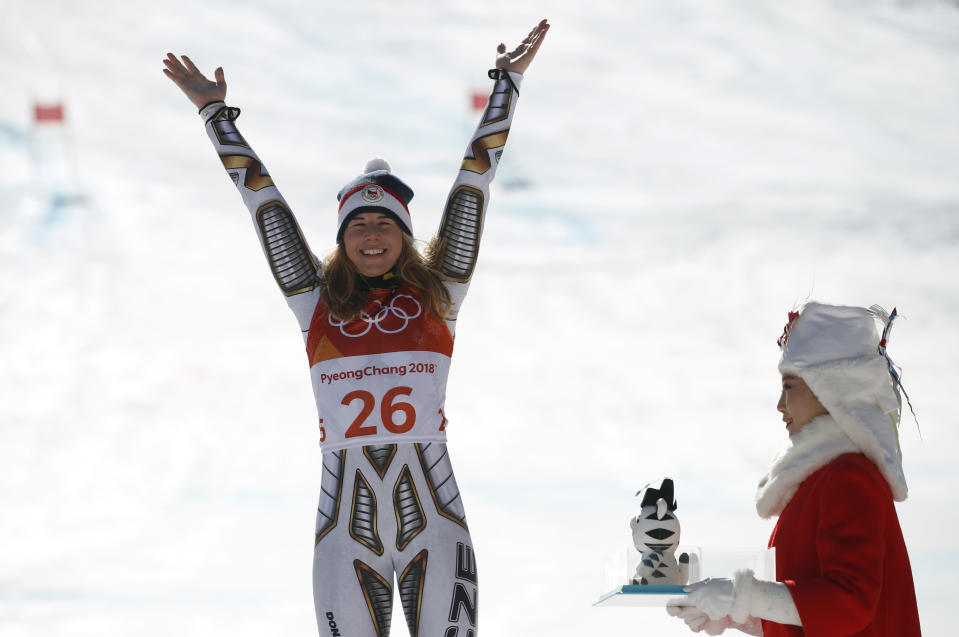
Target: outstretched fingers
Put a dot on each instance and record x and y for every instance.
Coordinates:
(173, 66)
(532, 42)
(190, 66)
(181, 69)
(533, 35)
(519, 59)
(536, 36)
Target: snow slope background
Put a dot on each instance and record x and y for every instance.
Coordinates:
(695, 169)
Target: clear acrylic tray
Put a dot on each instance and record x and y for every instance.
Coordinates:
(704, 562)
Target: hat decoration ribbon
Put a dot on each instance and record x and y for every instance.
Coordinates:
(781, 341)
(894, 371)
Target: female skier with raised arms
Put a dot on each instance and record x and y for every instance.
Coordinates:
(378, 319)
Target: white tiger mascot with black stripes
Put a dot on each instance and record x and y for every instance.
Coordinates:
(656, 536)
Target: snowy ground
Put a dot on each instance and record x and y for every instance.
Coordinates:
(696, 169)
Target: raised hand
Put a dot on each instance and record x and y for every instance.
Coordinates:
(518, 60)
(194, 84)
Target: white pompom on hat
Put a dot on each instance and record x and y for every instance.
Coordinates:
(835, 350)
(376, 190)
(377, 163)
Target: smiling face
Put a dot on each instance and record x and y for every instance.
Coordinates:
(373, 243)
(798, 404)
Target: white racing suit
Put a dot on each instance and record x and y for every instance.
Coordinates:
(389, 503)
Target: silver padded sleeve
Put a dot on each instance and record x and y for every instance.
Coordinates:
(290, 259)
(460, 230)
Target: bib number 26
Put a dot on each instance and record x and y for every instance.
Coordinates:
(391, 409)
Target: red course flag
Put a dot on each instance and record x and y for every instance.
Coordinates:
(479, 100)
(47, 113)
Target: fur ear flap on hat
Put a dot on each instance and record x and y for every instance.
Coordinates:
(376, 190)
(835, 350)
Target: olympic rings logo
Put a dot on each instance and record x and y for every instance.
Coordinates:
(389, 319)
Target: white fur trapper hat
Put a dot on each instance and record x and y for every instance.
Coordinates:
(836, 350)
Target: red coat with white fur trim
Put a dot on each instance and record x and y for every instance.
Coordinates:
(840, 551)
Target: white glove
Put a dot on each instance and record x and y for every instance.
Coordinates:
(715, 596)
(697, 620)
(742, 598)
(753, 626)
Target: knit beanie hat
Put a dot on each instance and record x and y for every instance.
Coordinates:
(837, 351)
(376, 190)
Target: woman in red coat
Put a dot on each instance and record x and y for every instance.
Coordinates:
(841, 562)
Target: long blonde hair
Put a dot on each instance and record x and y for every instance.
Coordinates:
(345, 295)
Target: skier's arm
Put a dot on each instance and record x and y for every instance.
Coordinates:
(461, 227)
(294, 267)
